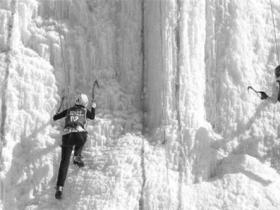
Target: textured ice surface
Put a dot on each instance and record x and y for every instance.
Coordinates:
(176, 127)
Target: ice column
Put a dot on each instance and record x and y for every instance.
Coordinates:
(190, 65)
(160, 61)
(175, 75)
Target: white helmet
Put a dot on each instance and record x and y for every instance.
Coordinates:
(82, 100)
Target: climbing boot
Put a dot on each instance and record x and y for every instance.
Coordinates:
(58, 193)
(77, 160)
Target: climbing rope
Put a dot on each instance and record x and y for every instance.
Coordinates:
(163, 86)
(275, 36)
(142, 196)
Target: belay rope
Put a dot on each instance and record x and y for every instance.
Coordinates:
(275, 36)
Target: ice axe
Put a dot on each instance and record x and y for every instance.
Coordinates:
(61, 101)
(260, 94)
(95, 83)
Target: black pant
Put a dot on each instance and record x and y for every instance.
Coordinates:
(68, 141)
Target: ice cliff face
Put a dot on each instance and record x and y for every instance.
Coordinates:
(175, 127)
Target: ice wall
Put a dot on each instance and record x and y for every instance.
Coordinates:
(29, 95)
(175, 77)
(179, 69)
(207, 53)
(160, 61)
(237, 30)
(174, 64)
(61, 47)
(240, 51)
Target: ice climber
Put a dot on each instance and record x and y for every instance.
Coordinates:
(275, 96)
(74, 136)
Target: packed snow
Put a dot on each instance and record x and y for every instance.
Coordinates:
(175, 127)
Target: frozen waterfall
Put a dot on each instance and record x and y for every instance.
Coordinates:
(175, 128)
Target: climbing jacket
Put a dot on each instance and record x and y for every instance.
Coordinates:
(75, 118)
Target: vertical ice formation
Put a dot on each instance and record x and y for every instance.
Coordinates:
(200, 56)
(191, 60)
(29, 96)
(174, 63)
(239, 52)
(160, 58)
(101, 41)
(174, 37)
(175, 73)
(56, 45)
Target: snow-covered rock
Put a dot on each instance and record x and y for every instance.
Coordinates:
(250, 167)
(232, 192)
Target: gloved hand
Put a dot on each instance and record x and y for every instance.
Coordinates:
(93, 104)
(263, 95)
